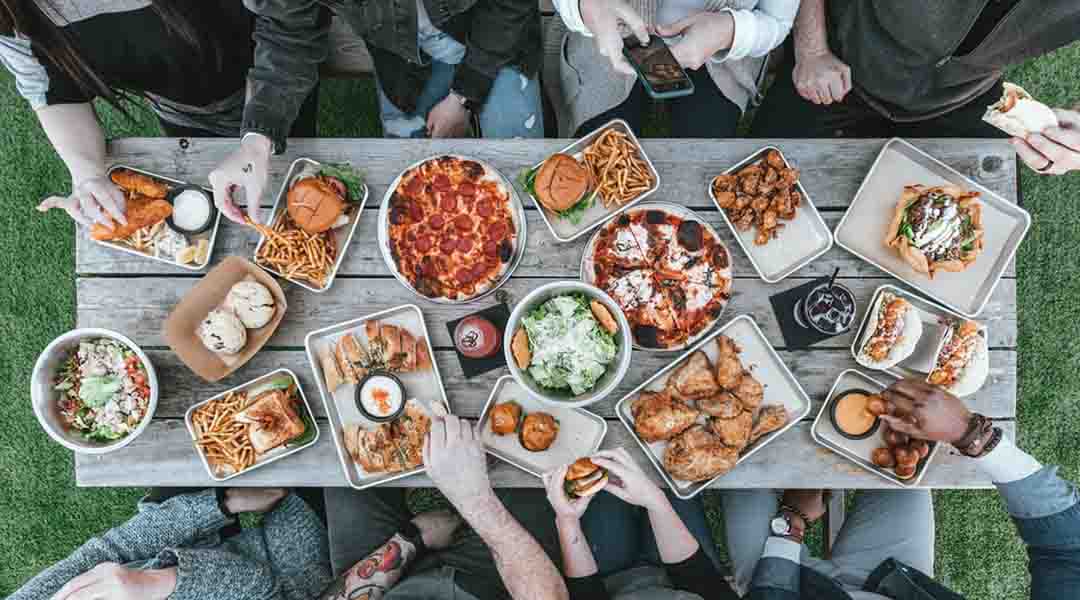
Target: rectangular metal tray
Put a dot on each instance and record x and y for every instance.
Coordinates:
(934, 317)
(210, 235)
(802, 240)
(272, 456)
(858, 451)
(340, 406)
(862, 229)
(580, 431)
(565, 231)
(342, 244)
(780, 384)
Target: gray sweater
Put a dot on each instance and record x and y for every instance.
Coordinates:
(284, 559)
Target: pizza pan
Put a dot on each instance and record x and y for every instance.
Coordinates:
(210, 234)
(274, 455)
(297, 167)
(780, 385)
(517, 210)
(802, 239)
(858, 451)
(935, 318)
(565, 231)
(426, 387)
(580, 431)
(588, 272)
(900, 164)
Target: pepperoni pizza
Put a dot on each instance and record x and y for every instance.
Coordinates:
(668, 272)
(452, 228)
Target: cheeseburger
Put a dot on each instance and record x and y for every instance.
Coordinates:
(316, 203)
(561, 182)
(584, 478)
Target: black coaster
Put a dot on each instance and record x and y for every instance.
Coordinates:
(795, 335)
(498, 314)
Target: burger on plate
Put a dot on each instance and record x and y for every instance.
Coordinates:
(584, 478)
(937, 228)
(316, 203)
(561, 182)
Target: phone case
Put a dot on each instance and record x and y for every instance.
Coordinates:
(649, 88)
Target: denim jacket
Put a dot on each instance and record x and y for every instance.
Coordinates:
(1046, 510)
(291, 41)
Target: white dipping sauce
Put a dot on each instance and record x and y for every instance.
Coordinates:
(191, 210)
(381, 396)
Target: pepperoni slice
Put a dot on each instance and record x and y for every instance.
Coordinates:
(464, 276)
(463, 222)
(425, 243)
(479, 270)
(492, 262)
(485, 208)
(448, 203)
(414, 187)
(465, 245)
(448, 245)
(491, 248)
(416, 212)
(442, 183)
(436, 221)
(467, 189)
(497, 230)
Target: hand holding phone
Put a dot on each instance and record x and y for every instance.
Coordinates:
(657, 68)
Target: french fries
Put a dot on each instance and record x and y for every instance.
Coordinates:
(618, 169)
(223, 441)
(294, 253)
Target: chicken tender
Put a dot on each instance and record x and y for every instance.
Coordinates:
(697, 454)
(658, 417)
(141, 211)
(139, 183)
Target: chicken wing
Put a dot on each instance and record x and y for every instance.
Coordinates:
(728, 367)
(722, 405)
(658, 417)
(770, 419)
(734, 432)
(749, 392)
(698, 455)
(694, 378)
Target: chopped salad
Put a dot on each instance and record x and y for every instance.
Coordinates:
(105, 390)
(569, 347)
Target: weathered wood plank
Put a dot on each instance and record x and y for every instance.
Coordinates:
(816, 370)
(164, 455)
(543, 256)
(138, 306)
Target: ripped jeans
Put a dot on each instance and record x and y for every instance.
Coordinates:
(512, 109)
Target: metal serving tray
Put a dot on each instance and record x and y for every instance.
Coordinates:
(781, 387)
(297, 166)
(271, 456)
(565, 231)
(210, 234)
(802, 239)
(580, 431)
(935, 318)
(862, 229)
(518, 213)
(858, 451)
(426, 387)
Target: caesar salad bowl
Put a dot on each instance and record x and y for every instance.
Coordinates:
(44, 395)
(615, 370)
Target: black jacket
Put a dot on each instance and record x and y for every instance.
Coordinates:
(291, 38)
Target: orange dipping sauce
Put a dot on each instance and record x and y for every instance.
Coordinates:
(850, 414)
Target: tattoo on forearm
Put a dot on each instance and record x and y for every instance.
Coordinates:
(370, 578)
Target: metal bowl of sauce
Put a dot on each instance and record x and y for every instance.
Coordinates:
(380, 396)
(851, 416)
(193, 209)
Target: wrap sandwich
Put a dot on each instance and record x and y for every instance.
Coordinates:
(891, 334)
(963, 360)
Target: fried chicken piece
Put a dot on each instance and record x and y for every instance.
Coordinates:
(749, 392)
(725, 183)
(759, 203)
(734, 432)
(763, 236)
(770, 419)
(658, 417)
(745, 221)
(694, 378)
(725, 200)
(774, 160)
(698, 455)
(749, 183)
(139, 183)
(140, 211)
(722, 405)
(788, 177)
(768, 220)
(728, 366)
(742, 201)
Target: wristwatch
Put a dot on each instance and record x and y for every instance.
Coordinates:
(789, 525)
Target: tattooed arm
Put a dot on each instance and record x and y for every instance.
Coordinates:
(370, 578)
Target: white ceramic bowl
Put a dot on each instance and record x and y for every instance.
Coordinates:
(43, 396)
(615, 371)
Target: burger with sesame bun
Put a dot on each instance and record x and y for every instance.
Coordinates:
(584, 478)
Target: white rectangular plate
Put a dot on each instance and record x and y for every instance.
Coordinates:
(862, 229)
(580, 431)
(802, 239)
(858, 451)
(758, 356)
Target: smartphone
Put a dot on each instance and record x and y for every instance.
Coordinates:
(657, 68)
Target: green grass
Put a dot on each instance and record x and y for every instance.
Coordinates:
(43, 516)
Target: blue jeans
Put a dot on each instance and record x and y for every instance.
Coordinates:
(512, 109)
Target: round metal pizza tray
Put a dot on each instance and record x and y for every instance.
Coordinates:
(588, 275)
(517, 212)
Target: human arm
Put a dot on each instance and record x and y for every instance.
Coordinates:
(579, 564)
(1055, 150)
(819, 76)
(456, 463)
(601, 19)
(730, 34)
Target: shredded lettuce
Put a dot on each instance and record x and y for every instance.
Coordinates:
(574, 214)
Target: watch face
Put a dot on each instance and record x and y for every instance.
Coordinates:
(780, 526)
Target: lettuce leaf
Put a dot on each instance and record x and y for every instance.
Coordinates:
(97, 390)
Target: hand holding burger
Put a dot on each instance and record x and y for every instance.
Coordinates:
(571, 487)
(629, 483)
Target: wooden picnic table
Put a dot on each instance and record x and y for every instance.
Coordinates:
(134, 295)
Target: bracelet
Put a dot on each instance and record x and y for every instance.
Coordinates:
(977, 425)
(995, 439)
(984, 435)
(795, 511)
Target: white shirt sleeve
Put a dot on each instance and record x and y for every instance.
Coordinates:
(1007, 463)
(570, 11)
(778, 547)
(760, 30)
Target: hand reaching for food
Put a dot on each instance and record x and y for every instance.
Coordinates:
(1054, 150)
(630, 483)
(93, 200)
(926, 412)
(821, 77)
(456, 462)
(703, 35)
(244, 173)
(602, 18)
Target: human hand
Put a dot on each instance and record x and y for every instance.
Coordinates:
(566, 508)
(820, 77)
(257, 500)
(810, 502)
(927, 412)
(456, 463)
(1055, 150)
(628, 482)
(437, 528)
(449, 118)
(602, 17)
(704, 34)
(112, 581)
(246, 170)
(93, 200)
